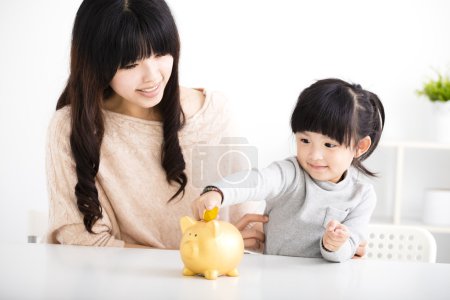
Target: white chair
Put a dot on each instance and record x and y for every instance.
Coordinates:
(399, 242)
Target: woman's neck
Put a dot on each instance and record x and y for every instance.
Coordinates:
(119, 105)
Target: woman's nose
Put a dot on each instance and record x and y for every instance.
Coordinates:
(150, 70)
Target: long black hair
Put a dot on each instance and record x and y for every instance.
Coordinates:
(342, 111)
(108, 35)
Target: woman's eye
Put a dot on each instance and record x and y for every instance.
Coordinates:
(128, 67)
(304, 141)
(329, 145)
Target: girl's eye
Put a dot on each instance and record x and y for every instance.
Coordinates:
(304, 141)
(128, 67)
(329, 145)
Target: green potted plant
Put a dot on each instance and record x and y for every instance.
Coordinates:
(438, 92)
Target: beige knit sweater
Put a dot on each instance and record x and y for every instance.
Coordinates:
(131, 182)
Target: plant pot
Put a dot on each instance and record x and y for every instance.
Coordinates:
(442, 121)
(436, 209)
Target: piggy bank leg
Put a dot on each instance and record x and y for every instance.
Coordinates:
(187, 272)
(211, 274)
(233, 273)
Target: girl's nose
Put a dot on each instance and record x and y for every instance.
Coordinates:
(316, 153)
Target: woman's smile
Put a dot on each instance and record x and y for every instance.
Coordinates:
(149, 92)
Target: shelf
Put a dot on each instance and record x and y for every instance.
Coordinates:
(431, 228)
(417, 145)
(381, 220)
(436, 229)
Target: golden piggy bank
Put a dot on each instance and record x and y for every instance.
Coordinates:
(211, 248)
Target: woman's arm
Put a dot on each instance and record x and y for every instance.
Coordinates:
(65, 220)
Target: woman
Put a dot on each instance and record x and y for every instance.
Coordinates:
(120, 146)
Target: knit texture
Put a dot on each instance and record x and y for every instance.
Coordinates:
(131, 183)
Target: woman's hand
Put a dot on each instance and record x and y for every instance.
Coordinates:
(205, 202)
(361, 250)
(251, 228)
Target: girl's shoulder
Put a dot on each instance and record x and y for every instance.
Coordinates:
(290, 169)
(362, 183)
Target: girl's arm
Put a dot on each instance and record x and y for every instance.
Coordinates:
(260, 185)
(354, 229)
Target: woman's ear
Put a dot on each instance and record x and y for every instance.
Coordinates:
(363, 146)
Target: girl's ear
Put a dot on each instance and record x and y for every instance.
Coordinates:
(363, 146)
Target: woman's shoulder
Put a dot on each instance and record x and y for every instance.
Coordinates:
(61, 115)
(199, 101)
(60, 124)
(192, 101)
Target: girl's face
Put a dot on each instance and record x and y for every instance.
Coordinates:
(324, 158)
(140, 85)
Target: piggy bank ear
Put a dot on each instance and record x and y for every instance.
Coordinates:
(186, 222)
(214, 227)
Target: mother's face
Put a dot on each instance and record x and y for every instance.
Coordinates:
(141, 84)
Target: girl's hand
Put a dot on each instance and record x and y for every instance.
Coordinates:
(335, 236)
(205, 202)
(250, 225)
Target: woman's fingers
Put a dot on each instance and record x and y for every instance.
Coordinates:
(253, 237)
(361, 250)
(253, 245)
(250, 218)
(253, 234)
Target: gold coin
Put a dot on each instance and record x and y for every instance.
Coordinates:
(211, 214)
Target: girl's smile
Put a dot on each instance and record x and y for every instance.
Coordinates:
(321, 157)
(317, 167)
(325, 159)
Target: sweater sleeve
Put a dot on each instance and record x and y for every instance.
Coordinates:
(259, 185)
(357, 222)
(232, 153)
(65, 220)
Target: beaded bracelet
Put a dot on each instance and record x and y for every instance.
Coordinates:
(210, 188)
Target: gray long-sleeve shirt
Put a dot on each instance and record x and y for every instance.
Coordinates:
(300, 207)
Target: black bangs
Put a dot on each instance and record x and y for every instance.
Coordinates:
(342, 111)
(328, 110)
(142, 34)
(123, 32)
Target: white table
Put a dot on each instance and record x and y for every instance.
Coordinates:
(38, 271)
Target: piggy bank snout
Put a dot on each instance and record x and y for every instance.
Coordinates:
(190, 249)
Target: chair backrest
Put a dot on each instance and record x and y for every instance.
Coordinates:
(399, 242)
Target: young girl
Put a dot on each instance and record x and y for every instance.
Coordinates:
(318, 206)
(119, 149)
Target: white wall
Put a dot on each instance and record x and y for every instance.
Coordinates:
(260, 53)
